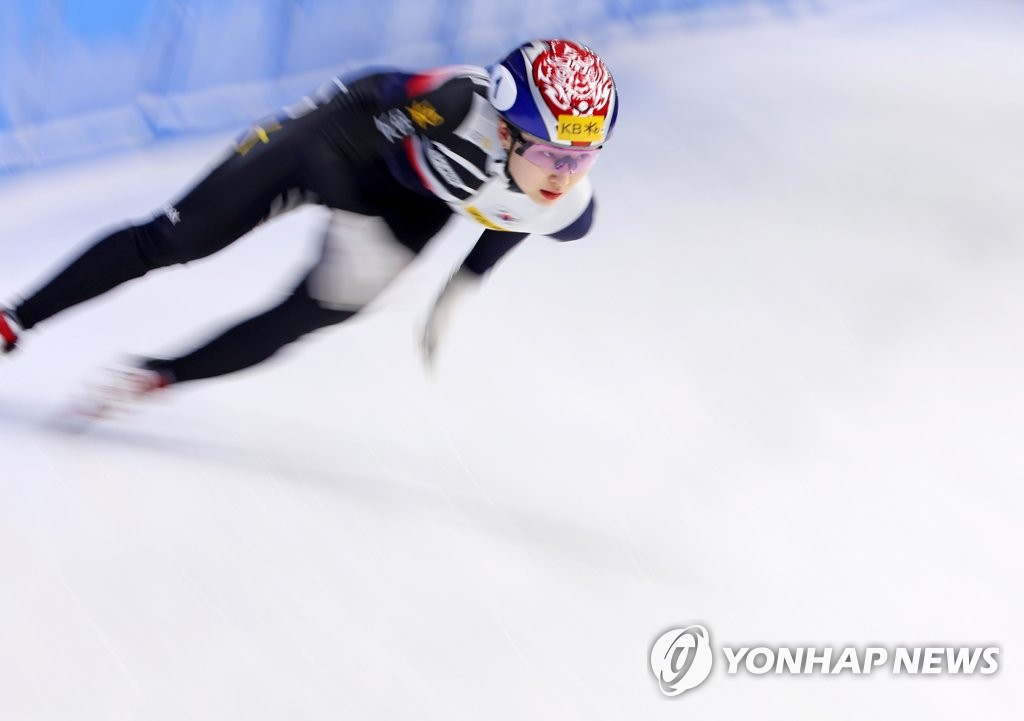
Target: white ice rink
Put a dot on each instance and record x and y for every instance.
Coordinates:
(778, 391)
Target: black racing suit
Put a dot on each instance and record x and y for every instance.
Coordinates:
(330, 151)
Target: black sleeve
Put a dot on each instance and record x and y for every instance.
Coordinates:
(493, 244)
(489, 249)
(579, 227)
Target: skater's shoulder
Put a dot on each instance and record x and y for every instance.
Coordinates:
(443, 96)
(452, 79)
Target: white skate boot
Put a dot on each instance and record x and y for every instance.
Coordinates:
(119, 391)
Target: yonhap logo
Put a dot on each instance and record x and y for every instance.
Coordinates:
(681, 659)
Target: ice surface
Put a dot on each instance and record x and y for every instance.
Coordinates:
(777, 391)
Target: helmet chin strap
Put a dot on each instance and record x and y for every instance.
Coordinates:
(512, 184)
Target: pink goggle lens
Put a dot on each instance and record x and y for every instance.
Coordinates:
(557, 159)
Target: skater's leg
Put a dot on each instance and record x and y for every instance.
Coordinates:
(111, 261)
(235, 197)
(254, 340)
(359, 257)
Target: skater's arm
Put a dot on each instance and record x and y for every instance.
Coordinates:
(493, 245)
(489, 249)
(579, 227)
(459, 285)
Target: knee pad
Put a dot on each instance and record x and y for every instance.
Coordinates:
(359, 258)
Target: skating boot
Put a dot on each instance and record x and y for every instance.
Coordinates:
(9, 331)
(120, 389)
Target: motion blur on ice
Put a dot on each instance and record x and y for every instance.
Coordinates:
(475, 360)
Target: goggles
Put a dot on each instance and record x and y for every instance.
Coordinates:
(555, 158)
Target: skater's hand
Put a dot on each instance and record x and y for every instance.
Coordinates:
(442, 312)
(428, 342)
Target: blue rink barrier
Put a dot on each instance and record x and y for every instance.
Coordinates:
(79, 78)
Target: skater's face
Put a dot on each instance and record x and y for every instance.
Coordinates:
(543, 172)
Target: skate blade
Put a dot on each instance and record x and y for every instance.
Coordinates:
(79, 416)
